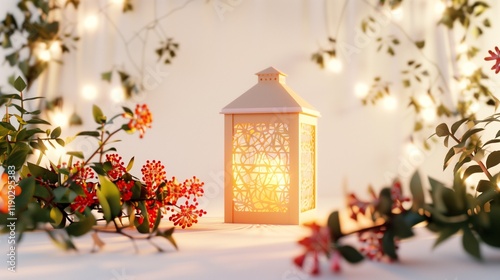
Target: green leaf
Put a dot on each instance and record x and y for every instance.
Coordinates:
(388, 245)
(470, 243)
(19, 84)
(57, 218)
(350, 254)
(401, 228)
(144, 226)
(470, 133)
(55, 133)
(89, 133)
(471, 170)
(456, 125)
(27, 186)
(484, 185)
(37, 121)
(334, 226)
(62, 241)
(417, 192)
(99, 117)
(130, 164)
(109, 198)
(493, 159)
(106, 76)
(448, 157)
(168, 234)
(442, 130)
(84, 224)
(384, 205)
(445, 233)
(77, 154)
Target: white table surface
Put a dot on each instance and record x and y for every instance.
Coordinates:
(214, 250)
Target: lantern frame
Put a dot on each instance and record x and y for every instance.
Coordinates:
(270, 154)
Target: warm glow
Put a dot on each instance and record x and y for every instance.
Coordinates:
(91, 22)
(474, 107)
(44, 55)
(425, 101)
(334, 64)
(467, 68)
(118, 2)
(428, 115)
(89, 92)
(361, 90)
(397, 13)
(439, 8)
(463, 84)
(461, 48)
(117, 94)
(389, 103)
(58, 118)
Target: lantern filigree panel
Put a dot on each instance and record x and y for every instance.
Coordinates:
(307, 167)
(261, 165)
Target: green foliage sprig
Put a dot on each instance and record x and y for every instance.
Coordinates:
(96, 193)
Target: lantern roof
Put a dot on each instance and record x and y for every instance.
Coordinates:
(270, 95)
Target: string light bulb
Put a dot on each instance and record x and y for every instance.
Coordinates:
(361, 90)
(389, 103)
(467, 68)
(91, 22)
(397, 13)
(439, 8)
(58, 118)
(117, 94)
(334, 64)
(89, 92)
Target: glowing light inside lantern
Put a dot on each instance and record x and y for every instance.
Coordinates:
(273, 182)
(390, 103)
(117, 94)
(89, 92)
(91, 22)
(334, 64)
(361, 90)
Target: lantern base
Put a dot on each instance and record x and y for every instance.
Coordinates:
(271, 218)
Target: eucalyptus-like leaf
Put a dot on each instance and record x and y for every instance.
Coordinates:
(447, 231)
(469, 133)
(83, 225)
(457, 124)
(334, 226)
(350, 254)
(19, 84)
(470, 243)
(447, 158)
(493, 159)
(417, 192)
(109, 198)
(442, 130)
(99, 117)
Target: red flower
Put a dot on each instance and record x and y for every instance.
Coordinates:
(87, 200)
(317, 243)
(372, 247)
(125, 189)
(496, 57)
(335, 264)
(397, 196)
(153, 174)
(186, 215)
(117, 166)
(174, 191)
(141, 120)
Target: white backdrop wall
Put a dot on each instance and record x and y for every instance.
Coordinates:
(220, 50)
